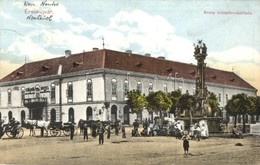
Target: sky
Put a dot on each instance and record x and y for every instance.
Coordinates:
(32, 30)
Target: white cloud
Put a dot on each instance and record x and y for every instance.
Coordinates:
(243, 60)
(5, 15)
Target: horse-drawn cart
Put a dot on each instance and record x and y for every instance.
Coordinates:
(12, 130)
(57, 128)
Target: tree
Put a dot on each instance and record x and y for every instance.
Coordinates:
(241, 104)
(174, 96)
(187, 102)
(158, 101)
(257, 112)
(214, 104)
(136, 101)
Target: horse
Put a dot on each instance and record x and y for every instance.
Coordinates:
(33, 124)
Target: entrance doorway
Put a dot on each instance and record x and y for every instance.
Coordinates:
(53, 115)
(126, 114)
(113, 113)
(89, 113)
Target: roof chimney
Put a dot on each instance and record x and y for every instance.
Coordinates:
(67, 53)
(94, 49)
(161, 57)
(129, 51)
(147, 54)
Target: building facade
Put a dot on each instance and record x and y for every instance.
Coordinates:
(93, 86)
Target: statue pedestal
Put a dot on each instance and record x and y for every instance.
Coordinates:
(209, 124)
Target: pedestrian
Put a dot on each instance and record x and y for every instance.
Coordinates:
(108, 131)
(186, 145)
(72, 129)
(85, 132)
(123, 132)
(101, 131)
(116, 127)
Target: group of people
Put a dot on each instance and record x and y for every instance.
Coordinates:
(99, 129)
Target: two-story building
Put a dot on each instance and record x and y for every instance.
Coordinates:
(94, 85)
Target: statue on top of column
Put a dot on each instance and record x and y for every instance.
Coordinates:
(200, 48)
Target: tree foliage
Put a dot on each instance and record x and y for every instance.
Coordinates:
(158, 101)
(174, 96)
(241, 104)
(214, 104)
(136, 101)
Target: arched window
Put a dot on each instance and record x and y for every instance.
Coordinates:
(71, 115)
(165, 88)
(23, 116)
(139, 86)
(114, 88)
(89, 90)
(9, 99)
(22, 95)
(53, 96)
(10, 115)
(70, 92)
(37, 91)
(126, 88)
(150, 87)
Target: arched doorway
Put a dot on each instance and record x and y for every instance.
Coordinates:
(126, 114)
(10, 115)
(113, 113)
(53, 115)
(22, 116)
(89, 113)
(71, 115)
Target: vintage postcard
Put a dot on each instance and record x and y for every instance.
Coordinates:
(129, 82)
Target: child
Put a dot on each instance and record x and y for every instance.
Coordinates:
(123, 132)
(186, 145)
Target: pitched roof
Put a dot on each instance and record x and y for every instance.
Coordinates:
(121, 61)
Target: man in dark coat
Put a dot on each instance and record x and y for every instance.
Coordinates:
(101, 131)
(85, 132)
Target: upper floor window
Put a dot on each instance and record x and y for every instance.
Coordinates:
(226, 98)
(22, 94)
(219, 97)
(70, 91)
(9, 96)
(114, 87)
(150, 87)
(37, 91)
(53, 96)
(165, 88)
(139, 86)
(89, 90)
(126, 87)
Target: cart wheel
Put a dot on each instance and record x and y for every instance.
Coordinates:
(45, 132)
(66, 132)
(20, 133)
(9, 134)
(55, 132)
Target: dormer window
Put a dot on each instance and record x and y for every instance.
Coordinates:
(138, 64)
(169, 69)
(214, 76)
(19, 73)
(75, 64)
(192, 72)
(232, 79)
(45, 68)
